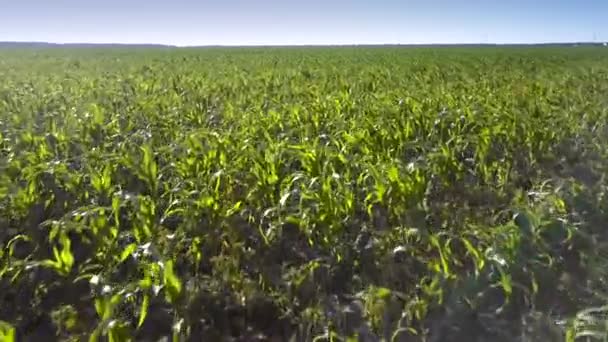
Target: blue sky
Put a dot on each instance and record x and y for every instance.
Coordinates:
(251, 22)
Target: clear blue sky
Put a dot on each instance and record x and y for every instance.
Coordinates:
(252, 22)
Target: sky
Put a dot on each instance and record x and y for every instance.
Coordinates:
(301, 22)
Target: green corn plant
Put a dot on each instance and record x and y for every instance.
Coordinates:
(63, 258)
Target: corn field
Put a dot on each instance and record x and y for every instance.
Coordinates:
(303, 194)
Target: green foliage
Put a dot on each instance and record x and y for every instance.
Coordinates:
(303, 193)
(7, 332)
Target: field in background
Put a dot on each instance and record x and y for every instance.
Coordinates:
(404, 194)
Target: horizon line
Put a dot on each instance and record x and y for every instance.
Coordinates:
(24, 42)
